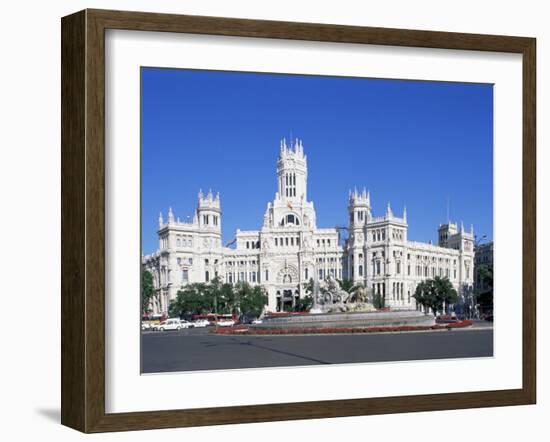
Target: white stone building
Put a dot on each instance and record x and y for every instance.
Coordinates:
(289, 249)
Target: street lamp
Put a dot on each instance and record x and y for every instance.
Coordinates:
(477, 241)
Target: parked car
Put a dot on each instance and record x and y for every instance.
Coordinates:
(201, 323)
(186, 324)
(225, 323)
(146, 326)
(170, 324)
(256, 321)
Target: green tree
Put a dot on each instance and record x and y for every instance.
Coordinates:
(251, 300)
(212, 295)
(425, 296)
(147, 290)
(435, 294)
(445, 291)
(225, 299)
(193, 299)
(484, 296)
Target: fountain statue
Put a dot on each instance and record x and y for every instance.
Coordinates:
(329, 297)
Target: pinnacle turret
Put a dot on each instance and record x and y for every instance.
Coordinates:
(389, 213)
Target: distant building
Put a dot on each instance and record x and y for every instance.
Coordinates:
(483, 256)
(289, 249)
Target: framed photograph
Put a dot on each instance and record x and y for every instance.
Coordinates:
(266, 221)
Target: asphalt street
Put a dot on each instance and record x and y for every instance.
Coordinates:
(197, 349)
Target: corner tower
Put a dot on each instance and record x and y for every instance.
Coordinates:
(209, 211)
(359, 215)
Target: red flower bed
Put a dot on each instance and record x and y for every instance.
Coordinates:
(291, 331)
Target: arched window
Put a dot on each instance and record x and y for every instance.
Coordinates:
(291, 220)
(360, 270)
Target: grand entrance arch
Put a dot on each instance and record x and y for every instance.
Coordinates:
(287, 299)
(288, 292)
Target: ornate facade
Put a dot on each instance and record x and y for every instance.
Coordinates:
(290, 249)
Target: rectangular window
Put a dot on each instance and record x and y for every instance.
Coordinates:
(267, 275)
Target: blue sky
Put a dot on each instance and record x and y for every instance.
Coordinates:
(412, 143)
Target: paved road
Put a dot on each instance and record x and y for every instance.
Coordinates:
(196, 349)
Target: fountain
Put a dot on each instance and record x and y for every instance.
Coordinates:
(333, 307)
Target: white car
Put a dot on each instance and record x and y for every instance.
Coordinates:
(201, 323)
(226, 323)
(186, 324)
(146, 326)
(257, 321)
(170, 324)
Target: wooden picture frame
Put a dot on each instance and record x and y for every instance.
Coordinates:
(83, 220)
